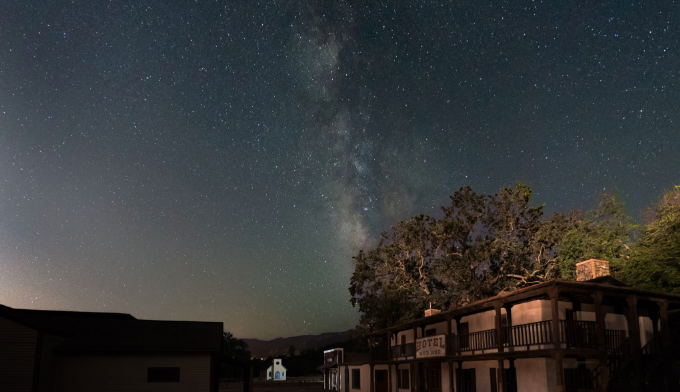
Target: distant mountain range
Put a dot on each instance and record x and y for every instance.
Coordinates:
(279, 346)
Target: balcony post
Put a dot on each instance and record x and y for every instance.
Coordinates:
(599, 320)
(389, 345)
(600, 315)
(635, 342)
(666, 348)
(665, 328)
(554, 304)
(449, 342)
(372, 385)
(499, 326)
(414, 374)
(456, 345)
(509, 336)
(499, 343)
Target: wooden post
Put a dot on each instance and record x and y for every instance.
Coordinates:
(389, 345)
(666, 351)
(559, 373)
(459, 376)
(499, 327)
(635, 343)
(499, 344)
(603, 380)
(554, 304)
(449, 347)
(455, 344)
(413, 378)
(508, 312)
(502, 384)
(372, 386)
(389, 377)
(450, 361)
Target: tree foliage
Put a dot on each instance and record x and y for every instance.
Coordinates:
(655, 258)
(483, 245)
(235, 349)
(603, 233)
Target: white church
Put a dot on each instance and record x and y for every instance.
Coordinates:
(276, 371)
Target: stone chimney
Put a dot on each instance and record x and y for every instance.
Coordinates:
(591, 269)
(431, 312)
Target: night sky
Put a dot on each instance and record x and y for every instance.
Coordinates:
(224, 160)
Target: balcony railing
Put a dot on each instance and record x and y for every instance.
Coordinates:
(576, 334)
(403, 350)
(528, 334)
(613, 338)
(580, 334)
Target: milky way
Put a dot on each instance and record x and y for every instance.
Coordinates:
(224, 161)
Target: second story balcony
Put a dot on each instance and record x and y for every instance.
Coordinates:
(531, 336)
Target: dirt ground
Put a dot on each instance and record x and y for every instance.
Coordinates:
(262, 387)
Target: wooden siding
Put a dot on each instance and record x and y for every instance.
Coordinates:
(129, 373)
(17, 355)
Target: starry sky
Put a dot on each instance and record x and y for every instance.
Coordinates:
(224, 160)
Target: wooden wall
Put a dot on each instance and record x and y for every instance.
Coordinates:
(17, 355)
(129, 373)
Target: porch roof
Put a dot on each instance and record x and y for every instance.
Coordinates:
(565, 290)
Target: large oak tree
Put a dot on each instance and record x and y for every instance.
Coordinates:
(482, 245)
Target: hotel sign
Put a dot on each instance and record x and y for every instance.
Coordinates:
(431, 346)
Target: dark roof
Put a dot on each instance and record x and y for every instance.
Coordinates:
(117, 332)
(328, 365)
(356, 358)
(607, 284)
(607, 280)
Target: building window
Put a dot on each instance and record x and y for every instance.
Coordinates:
(356, 378)
(403, 379)
(432, 377)
(162, 374)
(468, 380)
(430, 332)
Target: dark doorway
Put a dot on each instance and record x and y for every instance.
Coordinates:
(431, 377)
(464, 336)
(381, 381)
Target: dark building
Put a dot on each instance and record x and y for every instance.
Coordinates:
(83, 351)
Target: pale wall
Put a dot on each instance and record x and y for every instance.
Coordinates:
(106, 373)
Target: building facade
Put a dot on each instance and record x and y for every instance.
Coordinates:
(556, 336)
(83, 351)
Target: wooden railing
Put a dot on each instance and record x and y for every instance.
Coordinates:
(613, 339)
(379, 353)
(653, 347)
(528, 334)
(576, 334)
(580, 334)
(403, 350)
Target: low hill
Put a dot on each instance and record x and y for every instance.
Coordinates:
(279, 346)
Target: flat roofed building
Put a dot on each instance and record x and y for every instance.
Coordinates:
(73, 351)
